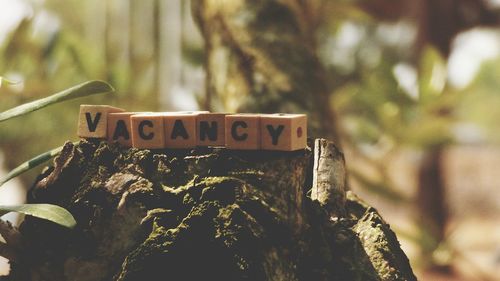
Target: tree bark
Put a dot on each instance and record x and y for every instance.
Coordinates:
(431, 202)
(260, 57)
(204, 214)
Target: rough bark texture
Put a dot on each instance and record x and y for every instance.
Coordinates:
(205, 214)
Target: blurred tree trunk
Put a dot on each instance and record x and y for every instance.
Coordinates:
(260, 57)
(437, 22)
(431, 201)
(156, 51)
(170, 52)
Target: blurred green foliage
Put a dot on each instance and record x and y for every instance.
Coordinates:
(48, 51)
(82, 90)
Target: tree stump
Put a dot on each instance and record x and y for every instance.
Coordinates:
(203, 214)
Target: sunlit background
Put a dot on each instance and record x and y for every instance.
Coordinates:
(415, 86)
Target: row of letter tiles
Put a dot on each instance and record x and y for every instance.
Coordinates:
(157, 130)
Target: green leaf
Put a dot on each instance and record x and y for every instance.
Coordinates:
(49, 212)
(7, 82)
(432, 74)
(30, 164)
(379, 188)
(78, 91)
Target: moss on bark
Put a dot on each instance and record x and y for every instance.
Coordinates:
(204, 214)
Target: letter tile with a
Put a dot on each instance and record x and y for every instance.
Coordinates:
(180, 130)
(119, 128)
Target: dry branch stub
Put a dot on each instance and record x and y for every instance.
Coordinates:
(329, 177)
(199, 214)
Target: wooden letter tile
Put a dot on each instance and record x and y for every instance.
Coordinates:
(180, 130)
(210, 129)
(93, 120)
(242, 131)
(119, 128)
(193, 112)
(147, 130)
(286, 132)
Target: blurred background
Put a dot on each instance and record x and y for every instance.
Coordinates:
(413, 85)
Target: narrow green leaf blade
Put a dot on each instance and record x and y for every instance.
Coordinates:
(30, 164)
(49, 212)
(6, 81)
(78, 91)
(432, 74)
(379, 188)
